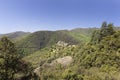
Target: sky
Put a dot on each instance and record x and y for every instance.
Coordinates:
(35, 15)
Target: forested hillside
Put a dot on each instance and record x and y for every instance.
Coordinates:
(15, 35)
(97, 59)
(79, 54)
(42, 39)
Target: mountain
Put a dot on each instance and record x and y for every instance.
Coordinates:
(82, 34)
(31, 42)
(78, 54)
(42, 39)
(98, 59)
(15, 35)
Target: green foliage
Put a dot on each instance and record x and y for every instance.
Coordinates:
(106, 30)
(102, 53)
(81, 34)
(42, 39)
(69, 75)
(49, 54)
(95, 37)
(95, 59)
(15, 36)
(10, 61)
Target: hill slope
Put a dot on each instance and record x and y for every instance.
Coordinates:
(15, 35)
(97, 60)
(41, 39)
(82, 34)
(31, 42)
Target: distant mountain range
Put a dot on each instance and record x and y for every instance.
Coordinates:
(15, 35)
(31, 42)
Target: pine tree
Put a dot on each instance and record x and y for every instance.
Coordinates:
(106, 30)
(110, 29)
(103, 31)
(10, 61)
(104, 26)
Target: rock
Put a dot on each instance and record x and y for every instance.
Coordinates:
(65, 61)
(37, 71)
(62, 44)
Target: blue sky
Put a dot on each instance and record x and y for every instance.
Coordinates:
(34, 15)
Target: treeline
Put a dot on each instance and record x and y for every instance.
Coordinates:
(101, 54)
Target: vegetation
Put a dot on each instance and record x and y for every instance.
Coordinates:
(11, 64)
(64, 56)
(15, 36)
(41, 39)
(96, 60)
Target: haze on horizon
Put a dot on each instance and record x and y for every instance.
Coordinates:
(34, 15)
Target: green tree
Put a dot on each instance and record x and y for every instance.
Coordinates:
(104, 26)
(95, 37)
(10, 61)
(110, 29)
(106, 30)
(9, 58)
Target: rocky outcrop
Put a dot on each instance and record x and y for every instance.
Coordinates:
(37, 70)
(65, 61)
(62, 44)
